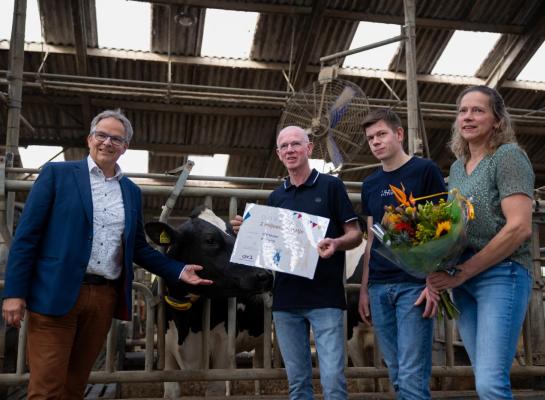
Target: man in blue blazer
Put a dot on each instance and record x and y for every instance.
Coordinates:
(71, 261)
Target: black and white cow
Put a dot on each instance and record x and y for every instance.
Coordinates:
(205, 239)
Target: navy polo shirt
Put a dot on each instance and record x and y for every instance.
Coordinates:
(326, 196)
(419, 176)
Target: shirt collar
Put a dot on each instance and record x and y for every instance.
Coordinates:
(94, 169)
(311, 180)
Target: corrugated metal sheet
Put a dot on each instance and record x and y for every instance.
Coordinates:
(58, 26)
(184, 40)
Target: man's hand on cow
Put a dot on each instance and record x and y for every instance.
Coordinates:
(189, 275)
(13, 311)
(327, 247)
(363, 306)
(431, 299)
(235, 223)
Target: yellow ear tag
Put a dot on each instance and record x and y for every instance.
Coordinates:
(164, 238)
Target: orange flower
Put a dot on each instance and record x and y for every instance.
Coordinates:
(401, 197)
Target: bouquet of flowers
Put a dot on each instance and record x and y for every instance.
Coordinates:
(425, 238)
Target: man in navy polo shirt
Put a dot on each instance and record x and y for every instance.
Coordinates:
(300, 303)
(401, 306)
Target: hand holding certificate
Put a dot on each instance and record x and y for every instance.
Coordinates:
(280, 240)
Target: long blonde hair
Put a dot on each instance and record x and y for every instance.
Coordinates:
(504, 133)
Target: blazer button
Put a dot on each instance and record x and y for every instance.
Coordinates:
(90, 238)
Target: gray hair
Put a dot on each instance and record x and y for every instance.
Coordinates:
(294, 128)
(117, 114)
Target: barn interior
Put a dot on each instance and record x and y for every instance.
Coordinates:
(189, 103)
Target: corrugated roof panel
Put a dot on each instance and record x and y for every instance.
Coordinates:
(58, 25)
(185, 40)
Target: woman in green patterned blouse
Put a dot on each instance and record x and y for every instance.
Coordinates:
(492, 287)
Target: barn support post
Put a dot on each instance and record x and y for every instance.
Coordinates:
(150, 318)
(231, 311)
(111, 341)
(535, 313)
(412, 86)
(208, 202)
(21, 348)
(15, 99)
(173, 195)
(206, 334)
(448, 326)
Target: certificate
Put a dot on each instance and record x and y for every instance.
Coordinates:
(279, 239)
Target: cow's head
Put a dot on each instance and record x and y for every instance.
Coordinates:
(207, 240)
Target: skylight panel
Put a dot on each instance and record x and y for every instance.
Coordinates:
(124, 24)
(378, 58)
(534, 71)
(33, 24)
(228, 33)
(215, 165)
(6, 19)
(465, 52)
(134, 161)
(36, 156)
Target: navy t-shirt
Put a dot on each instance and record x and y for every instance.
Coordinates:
(326, 196)
(420, 177)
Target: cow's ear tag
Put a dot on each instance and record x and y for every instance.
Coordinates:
(164, 238)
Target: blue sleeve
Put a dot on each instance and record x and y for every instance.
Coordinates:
(28, 235)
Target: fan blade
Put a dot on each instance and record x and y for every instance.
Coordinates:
(334, 151)
(340, 106)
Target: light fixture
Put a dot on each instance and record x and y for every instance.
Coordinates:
(185, 18)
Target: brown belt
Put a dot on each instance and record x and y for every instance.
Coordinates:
(92, 279)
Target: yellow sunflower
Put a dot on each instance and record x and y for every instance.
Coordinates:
(442, 228)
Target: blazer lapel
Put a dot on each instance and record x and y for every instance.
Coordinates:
(81, 173)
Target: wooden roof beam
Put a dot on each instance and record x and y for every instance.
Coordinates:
(248, 64)
(518, 45)
(310, 33)
(80, 40)
(238, 5)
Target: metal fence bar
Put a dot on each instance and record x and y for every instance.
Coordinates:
(150, 318)
(256, 373)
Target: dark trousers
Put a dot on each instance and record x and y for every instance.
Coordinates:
(61, 350)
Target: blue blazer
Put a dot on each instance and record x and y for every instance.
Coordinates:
(53, 239)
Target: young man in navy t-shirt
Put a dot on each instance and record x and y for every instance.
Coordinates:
(399, 306)
(300, 303)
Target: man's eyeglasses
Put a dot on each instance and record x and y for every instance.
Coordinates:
(294, 146)
(117, 141)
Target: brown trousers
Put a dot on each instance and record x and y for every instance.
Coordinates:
(61, 350)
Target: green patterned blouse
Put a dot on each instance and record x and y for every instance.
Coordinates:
(505, 172)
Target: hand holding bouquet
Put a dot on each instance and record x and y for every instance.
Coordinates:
(424, 238)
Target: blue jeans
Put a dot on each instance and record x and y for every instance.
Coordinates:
(404, 337)
(292, 333)
(492, 306)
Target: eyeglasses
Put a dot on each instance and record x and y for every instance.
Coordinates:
(294, 146)
(116, 141)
